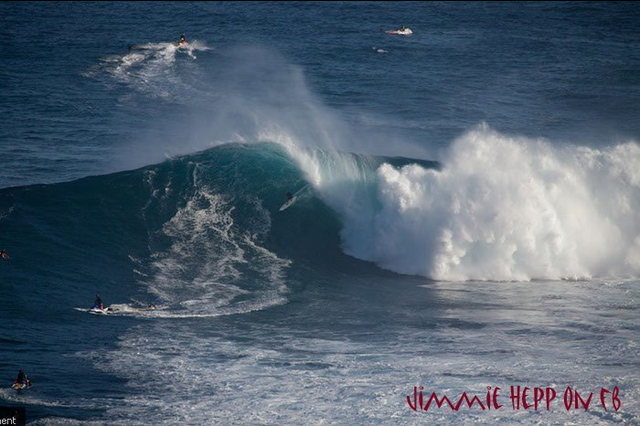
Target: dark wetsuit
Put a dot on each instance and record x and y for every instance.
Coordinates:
(98, 304)
(22, 378)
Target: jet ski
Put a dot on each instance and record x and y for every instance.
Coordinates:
(400, 31)
(21, 386)
(182, 42)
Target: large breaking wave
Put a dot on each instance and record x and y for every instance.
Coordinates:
(204, 233)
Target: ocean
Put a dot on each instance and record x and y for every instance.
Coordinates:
(466, 220)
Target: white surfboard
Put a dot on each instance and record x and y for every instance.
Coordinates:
(288, 204)
(21, 386)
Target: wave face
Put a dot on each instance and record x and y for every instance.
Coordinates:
(195, 234)
(204, 235)
(207, 256)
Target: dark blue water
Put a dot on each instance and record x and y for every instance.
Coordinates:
(566, 71)
(467, 210)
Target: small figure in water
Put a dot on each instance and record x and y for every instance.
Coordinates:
(183, 40)
(4, 254)
(22, 379)
(98, 304)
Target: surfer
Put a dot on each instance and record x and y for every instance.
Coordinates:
(98, 304)
(4, 254)
(292, 198)
(182, 41)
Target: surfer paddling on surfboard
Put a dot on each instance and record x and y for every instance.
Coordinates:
(4, 254)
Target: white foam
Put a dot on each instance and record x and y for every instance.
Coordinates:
(33, 397)
(502, 208)
(149, 68)
(212, 267)
(269, 372)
